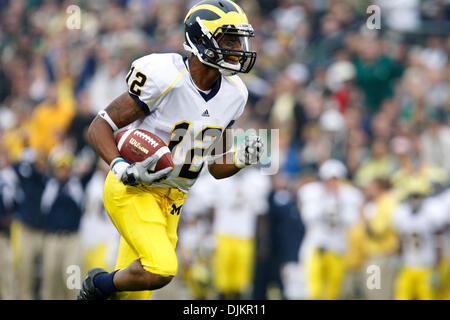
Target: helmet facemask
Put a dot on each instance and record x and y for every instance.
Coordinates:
(205, 46)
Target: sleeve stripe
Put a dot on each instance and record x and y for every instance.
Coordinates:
(240, 88)
(140, 103)
(230, 124)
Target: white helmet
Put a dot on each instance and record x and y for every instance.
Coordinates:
(332, 168)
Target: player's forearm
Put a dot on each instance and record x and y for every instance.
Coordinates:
(101, 138)
(222, 169)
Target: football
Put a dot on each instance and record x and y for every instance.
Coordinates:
(136, 145)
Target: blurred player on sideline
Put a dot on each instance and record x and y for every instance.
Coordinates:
(99, 238)
(234, 207)
(238, 201)
(380, 241)
(329, 208)
(418, 220)
(444, 265)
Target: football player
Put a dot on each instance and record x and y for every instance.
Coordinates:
(189, 103)
(418, 221)
(329, 208)
(444, 266)
(239, 201)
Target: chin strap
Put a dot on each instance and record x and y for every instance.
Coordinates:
(227, 72)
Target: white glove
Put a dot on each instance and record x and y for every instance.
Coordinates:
(249, 152)
(137, 173)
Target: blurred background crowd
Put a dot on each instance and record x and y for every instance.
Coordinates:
(360, 208)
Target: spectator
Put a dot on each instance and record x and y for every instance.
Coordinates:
(108, 81)
(287, 232)
(77, 129)
(375, 72)
(380, 165)
(62, 206)
(5, 86)
(51, 118)
(436, 144)
(16, 138)
(402, 15)
(7, 202)
(27, 229)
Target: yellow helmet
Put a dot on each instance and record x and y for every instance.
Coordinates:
(207, 23)
(62, 158)
(417, 186)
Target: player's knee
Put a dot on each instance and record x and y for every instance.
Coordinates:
(160, 281)
(149, 280)
(155, 281)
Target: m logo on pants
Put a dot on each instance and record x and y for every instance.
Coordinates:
(176, 210)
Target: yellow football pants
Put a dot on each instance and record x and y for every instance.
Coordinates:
(147, 220)
(413, 284)
(444, 273)
(325, 271)
(96, 257)
(233, 263)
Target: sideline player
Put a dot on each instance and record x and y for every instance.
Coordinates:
(189, 103)
(329, 208)
(418, 220)
(237, 205)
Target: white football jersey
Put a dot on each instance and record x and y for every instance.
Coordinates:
(417, 232)
(238, 202)
(96, 229)
(188, 120)
(200, 200)
(327, 216)
(444, 199)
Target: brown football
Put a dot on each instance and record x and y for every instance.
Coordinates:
(136, 145)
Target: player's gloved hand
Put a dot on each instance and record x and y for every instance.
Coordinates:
(137, 173)
(249, 152)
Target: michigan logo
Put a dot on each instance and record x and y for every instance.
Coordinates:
(175, 210)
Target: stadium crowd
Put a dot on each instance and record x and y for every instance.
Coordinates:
(364, 138)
